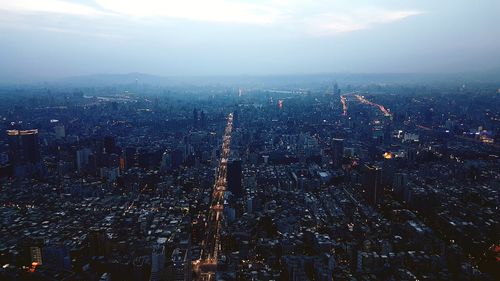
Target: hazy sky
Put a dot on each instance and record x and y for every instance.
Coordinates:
(54, 38)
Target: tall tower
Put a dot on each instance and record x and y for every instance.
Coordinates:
(338, 152)
(234, 176)
(195, 118)
(24, 151)
(109, 144)
(372, 184)
(336, 90)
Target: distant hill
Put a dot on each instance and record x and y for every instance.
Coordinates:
(355, 78)
(113, 79)
(295, 80)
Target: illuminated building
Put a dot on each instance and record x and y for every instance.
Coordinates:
(388, 168)
(36, 255)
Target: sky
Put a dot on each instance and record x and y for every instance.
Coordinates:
(43, 39)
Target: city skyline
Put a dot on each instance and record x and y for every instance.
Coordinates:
(249, 140)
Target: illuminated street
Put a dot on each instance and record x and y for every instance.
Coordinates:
(344, 105)
(363, 100)
(208, 265)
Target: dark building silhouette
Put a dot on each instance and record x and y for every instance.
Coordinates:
(129, 155)
(203, 119)
(411, 156)
(399, 185)
(372, 184)
(195, 118)
(338, 152)
(234, 175)
(180, 269)
(97, 241)
(177, 157)
(236, 118)
(56, 256)
(336, 90)
(109, 144)
(24, 152)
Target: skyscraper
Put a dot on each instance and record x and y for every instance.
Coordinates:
(372, 184)
(59, 132)
(82, 159)
(203, 119)
(166, 161)
(195, 118)
(338, 152)
(157, 261)
(236, 118)
(336, 90)
(129, 154)
(399, 184)
(109, 144)
(234, 176)
(24, 152)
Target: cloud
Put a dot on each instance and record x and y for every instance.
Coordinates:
(325, 24)
(55, 16)
(49, 6)
(197, 10)
(297, 16)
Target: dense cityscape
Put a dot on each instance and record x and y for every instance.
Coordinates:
(313, 181)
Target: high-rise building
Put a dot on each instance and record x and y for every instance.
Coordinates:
(411, 156)
(236, 118)
(338, 152)
(177, 157)
(56, 255)
(109, 144)
(399, 185)
(166, 161)
(195, 118)
(157, 262)
(181, 265)
(336, 90)
(234, 177)
(36, 255)
(372, 184)
(388, 168)
(82, 159)
(24, 152)
(97, 241)
(203, 119)
(129, 156)
(59, 132)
